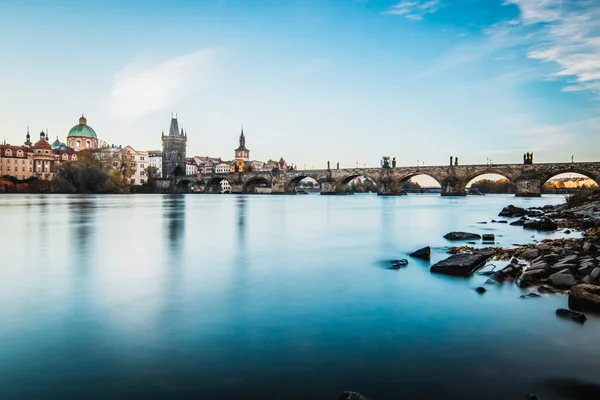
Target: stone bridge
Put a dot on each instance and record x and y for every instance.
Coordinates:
(527, 178)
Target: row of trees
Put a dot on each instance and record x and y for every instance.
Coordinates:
(101, 172)
(503, 186)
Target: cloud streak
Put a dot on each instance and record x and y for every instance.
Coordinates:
(414, 10)
(140, 90)
(569, 38)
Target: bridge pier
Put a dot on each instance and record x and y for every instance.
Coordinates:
(528, 187)
(329, 188)
(389, 187)
(237, 187)
(451, 186)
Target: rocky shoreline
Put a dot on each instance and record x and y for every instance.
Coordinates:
(562, 266)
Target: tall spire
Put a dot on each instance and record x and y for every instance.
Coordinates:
(174, 128)
(242, 138)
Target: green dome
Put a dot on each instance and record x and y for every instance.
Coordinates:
(82, 130)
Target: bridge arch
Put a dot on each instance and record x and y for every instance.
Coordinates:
(252, 185)
(404, 180)
(580, 171)
(342, 184)
(561, 187)
(213, 185)
(502, 185)
(290, 187)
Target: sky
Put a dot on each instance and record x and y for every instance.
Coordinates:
(311, 81)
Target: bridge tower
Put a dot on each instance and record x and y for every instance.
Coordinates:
(174, 148)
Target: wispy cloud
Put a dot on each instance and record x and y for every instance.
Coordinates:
(414, 9)
(569, 37)
(139, 90)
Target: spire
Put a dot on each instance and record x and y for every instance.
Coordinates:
(242, 138)
(174, 128)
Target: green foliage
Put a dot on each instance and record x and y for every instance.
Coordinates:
(411, 186)
(490, 186)
(581, 198)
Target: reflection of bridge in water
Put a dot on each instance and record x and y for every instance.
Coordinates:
(528, 179)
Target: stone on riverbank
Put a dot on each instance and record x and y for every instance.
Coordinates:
(530, 254)
(488, 237)
(463, 264)
(423, 253)
(585, 297)
(563, 279)
(541, 224)
(520, 222)
(574, 315)
(512, 211)
(461, 236)
(480, 290)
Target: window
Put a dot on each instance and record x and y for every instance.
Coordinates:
(47, 151)
(19, 153)
(74, 157)
(8, 169)
(65, 156)
(142, 173)
(23, 169)
(142, 158)
(142, 181)
(30, 169)
(22, 161)
(141, 165)
(133, 181)
(8, 153)
(89, 144)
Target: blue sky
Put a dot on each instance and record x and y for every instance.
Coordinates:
(311, 80)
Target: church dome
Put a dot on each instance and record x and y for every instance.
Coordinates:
(82, 130)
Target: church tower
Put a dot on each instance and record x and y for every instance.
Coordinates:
(242, 153)
(174, 148)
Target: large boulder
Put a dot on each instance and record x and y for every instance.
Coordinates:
(574, 315)
(520, 222)
(563, 280)
(541, 224)
(530, 254)
(463, 264)
(595, 274)
(461, 236)
(512, 211)
(423, 253)
(585, 297)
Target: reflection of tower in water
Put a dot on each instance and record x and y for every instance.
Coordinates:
(388, 218)
(174, 216)
(241, 223)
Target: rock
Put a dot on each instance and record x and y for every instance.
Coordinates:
(538, 265)
(562, 267)
(574, 315)
(397, 264)
(520, 222)
(512, 211)
(586, 279)
(586, 246)
(534, 213)
(534, 275)
(351, 396)
(551, 258)
(557, 249)
(423, 253)
(461, 236)
(512, 271)
(547, 289)
(463, 264)
(544, 247)
(529, 296)
(488, 237)
(530, 254)
(490, 282)
(595, 274)
(502, 222)
(563, 280)
(585, 297)
(567, 231)
(480, 290)
(532, 397)
(481, 222)
(541, 224)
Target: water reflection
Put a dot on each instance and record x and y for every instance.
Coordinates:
(174, 217)
(82, 214)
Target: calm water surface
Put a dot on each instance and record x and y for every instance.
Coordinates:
(271, 297)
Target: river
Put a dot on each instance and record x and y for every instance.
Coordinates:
(268, 297)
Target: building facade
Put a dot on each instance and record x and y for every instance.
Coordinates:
(191, 168)
(82, 136)
(223, 167)
(16, 161)
(242, 156)
(141, 162)
(173, 153)
(155, 159)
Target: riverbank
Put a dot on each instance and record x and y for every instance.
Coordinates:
(565, 266)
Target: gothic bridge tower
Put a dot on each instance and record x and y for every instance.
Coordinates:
(174, 147)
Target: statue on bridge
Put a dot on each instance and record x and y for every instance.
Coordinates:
(528, 158)
(456, 161)
(451, 160)
(328, 166)
(394, 163)
(385, 162)
(338, 165)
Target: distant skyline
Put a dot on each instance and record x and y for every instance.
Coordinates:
(342, 80)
